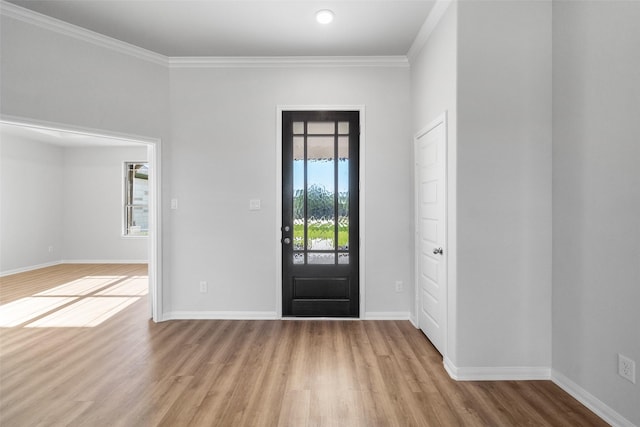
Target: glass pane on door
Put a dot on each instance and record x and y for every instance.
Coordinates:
(298, 192)
(321, 192)
(343, 194)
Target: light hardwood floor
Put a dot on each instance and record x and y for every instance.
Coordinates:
(128, 371)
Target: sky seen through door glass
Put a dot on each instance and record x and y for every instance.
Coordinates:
(323, 173)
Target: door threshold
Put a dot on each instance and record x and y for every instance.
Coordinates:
(318, 318)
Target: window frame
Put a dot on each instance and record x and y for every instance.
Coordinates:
(127, 185)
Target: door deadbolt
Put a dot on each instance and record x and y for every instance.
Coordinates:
(286, 241)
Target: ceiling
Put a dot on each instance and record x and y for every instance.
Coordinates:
(240, 28)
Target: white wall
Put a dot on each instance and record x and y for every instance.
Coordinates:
(223, 148)
(504, 185)
(93, 200)
(53, 77)
(596, 198)
(434, 75)
(433, 92)
(31, 197)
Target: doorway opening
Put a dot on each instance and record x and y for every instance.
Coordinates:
(65, 135)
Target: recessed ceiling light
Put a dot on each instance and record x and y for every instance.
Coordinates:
(324, 16)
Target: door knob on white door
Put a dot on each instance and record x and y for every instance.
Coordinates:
(437, 251)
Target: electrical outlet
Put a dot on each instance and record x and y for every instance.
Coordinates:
(399, 286)
(203, 286)
(626, 368)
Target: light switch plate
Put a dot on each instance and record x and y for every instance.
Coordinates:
(254, 205)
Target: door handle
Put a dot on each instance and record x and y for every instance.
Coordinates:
(286, 241)
(437, 251)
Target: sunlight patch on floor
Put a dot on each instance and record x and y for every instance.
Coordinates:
(23, 310)
(135, 285)
(85, 302)
(84, 286)
(88, 312)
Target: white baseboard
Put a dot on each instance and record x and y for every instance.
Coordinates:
(268, 315)
(105, 261)
(506, 373)
(220, 315)
(536, 373)
(29, 268)
(73, 261)
(386, 315)
(594, 404)
(413, 321)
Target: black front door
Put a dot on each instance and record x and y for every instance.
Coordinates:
(320, 233)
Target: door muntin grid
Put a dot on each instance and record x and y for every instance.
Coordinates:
(320, 203)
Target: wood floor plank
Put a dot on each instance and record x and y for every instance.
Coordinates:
(295, 409)
(128, 371)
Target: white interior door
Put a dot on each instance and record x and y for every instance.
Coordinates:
(431, 229)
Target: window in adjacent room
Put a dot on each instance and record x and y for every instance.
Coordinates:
(136, 199)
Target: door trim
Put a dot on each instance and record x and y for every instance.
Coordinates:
(278, 198)
(440, 120)
(154, 248)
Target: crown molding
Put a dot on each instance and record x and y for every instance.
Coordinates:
(43, 21)
(289, 62)
(427, 28)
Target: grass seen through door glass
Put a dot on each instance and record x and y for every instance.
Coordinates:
(322, 230)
